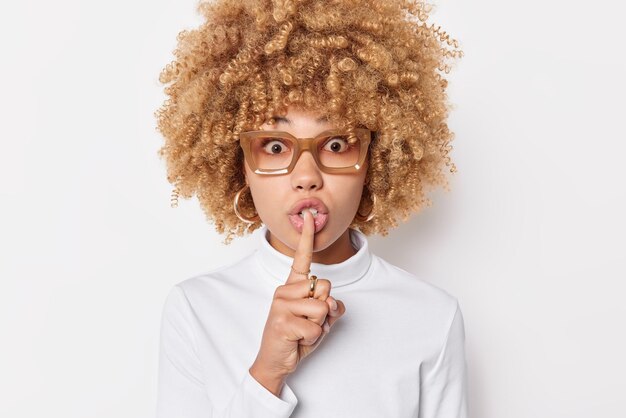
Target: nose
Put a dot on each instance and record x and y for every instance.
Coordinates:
(306, 174)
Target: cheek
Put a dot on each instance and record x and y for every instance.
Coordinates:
(266, 196)
(347, 196)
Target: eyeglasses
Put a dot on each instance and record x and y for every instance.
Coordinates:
(276, 152)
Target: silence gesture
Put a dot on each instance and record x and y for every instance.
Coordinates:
(296, 324)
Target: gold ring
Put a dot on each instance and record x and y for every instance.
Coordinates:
(312, 283)
(300, 272)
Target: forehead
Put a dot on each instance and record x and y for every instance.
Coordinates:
(299, 123)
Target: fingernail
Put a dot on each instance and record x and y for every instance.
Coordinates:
(326, 326)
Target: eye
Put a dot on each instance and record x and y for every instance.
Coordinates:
(274, 146)
(337, 144)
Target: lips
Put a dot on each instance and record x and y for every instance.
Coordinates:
(309, 203)
(319, 221)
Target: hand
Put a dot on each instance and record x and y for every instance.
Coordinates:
(296, 324)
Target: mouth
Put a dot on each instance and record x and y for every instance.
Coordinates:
(317, 208)
(313, 211)
(314, 205)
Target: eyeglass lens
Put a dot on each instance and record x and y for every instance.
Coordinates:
(276, 152)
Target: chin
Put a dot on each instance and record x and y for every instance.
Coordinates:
(325, 238)
(291, 238)
(285, 233)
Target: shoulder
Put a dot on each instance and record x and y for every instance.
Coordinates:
(412, 283)
(225, 278)
(428, 309)
(417, 295)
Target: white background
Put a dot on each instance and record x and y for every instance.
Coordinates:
(530, 239)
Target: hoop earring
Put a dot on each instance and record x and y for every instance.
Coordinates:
(236, 208)
(368, 217)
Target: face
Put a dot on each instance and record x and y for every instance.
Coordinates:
(275, 195)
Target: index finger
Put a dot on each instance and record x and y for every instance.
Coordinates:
(304, 252)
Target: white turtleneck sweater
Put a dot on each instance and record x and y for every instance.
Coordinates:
(397, 352)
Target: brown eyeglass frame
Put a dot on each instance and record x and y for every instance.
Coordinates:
(305, 144)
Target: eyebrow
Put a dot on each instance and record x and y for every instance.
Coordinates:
(283, 119)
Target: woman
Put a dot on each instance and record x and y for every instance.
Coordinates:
(320, 123)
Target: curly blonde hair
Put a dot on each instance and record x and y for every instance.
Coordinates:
(371, 63)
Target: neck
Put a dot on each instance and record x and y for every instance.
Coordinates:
(337, 252)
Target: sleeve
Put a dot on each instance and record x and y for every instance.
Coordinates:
(444, 388)
(181, 389)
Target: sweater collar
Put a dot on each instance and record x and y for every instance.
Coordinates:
(278, 265)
